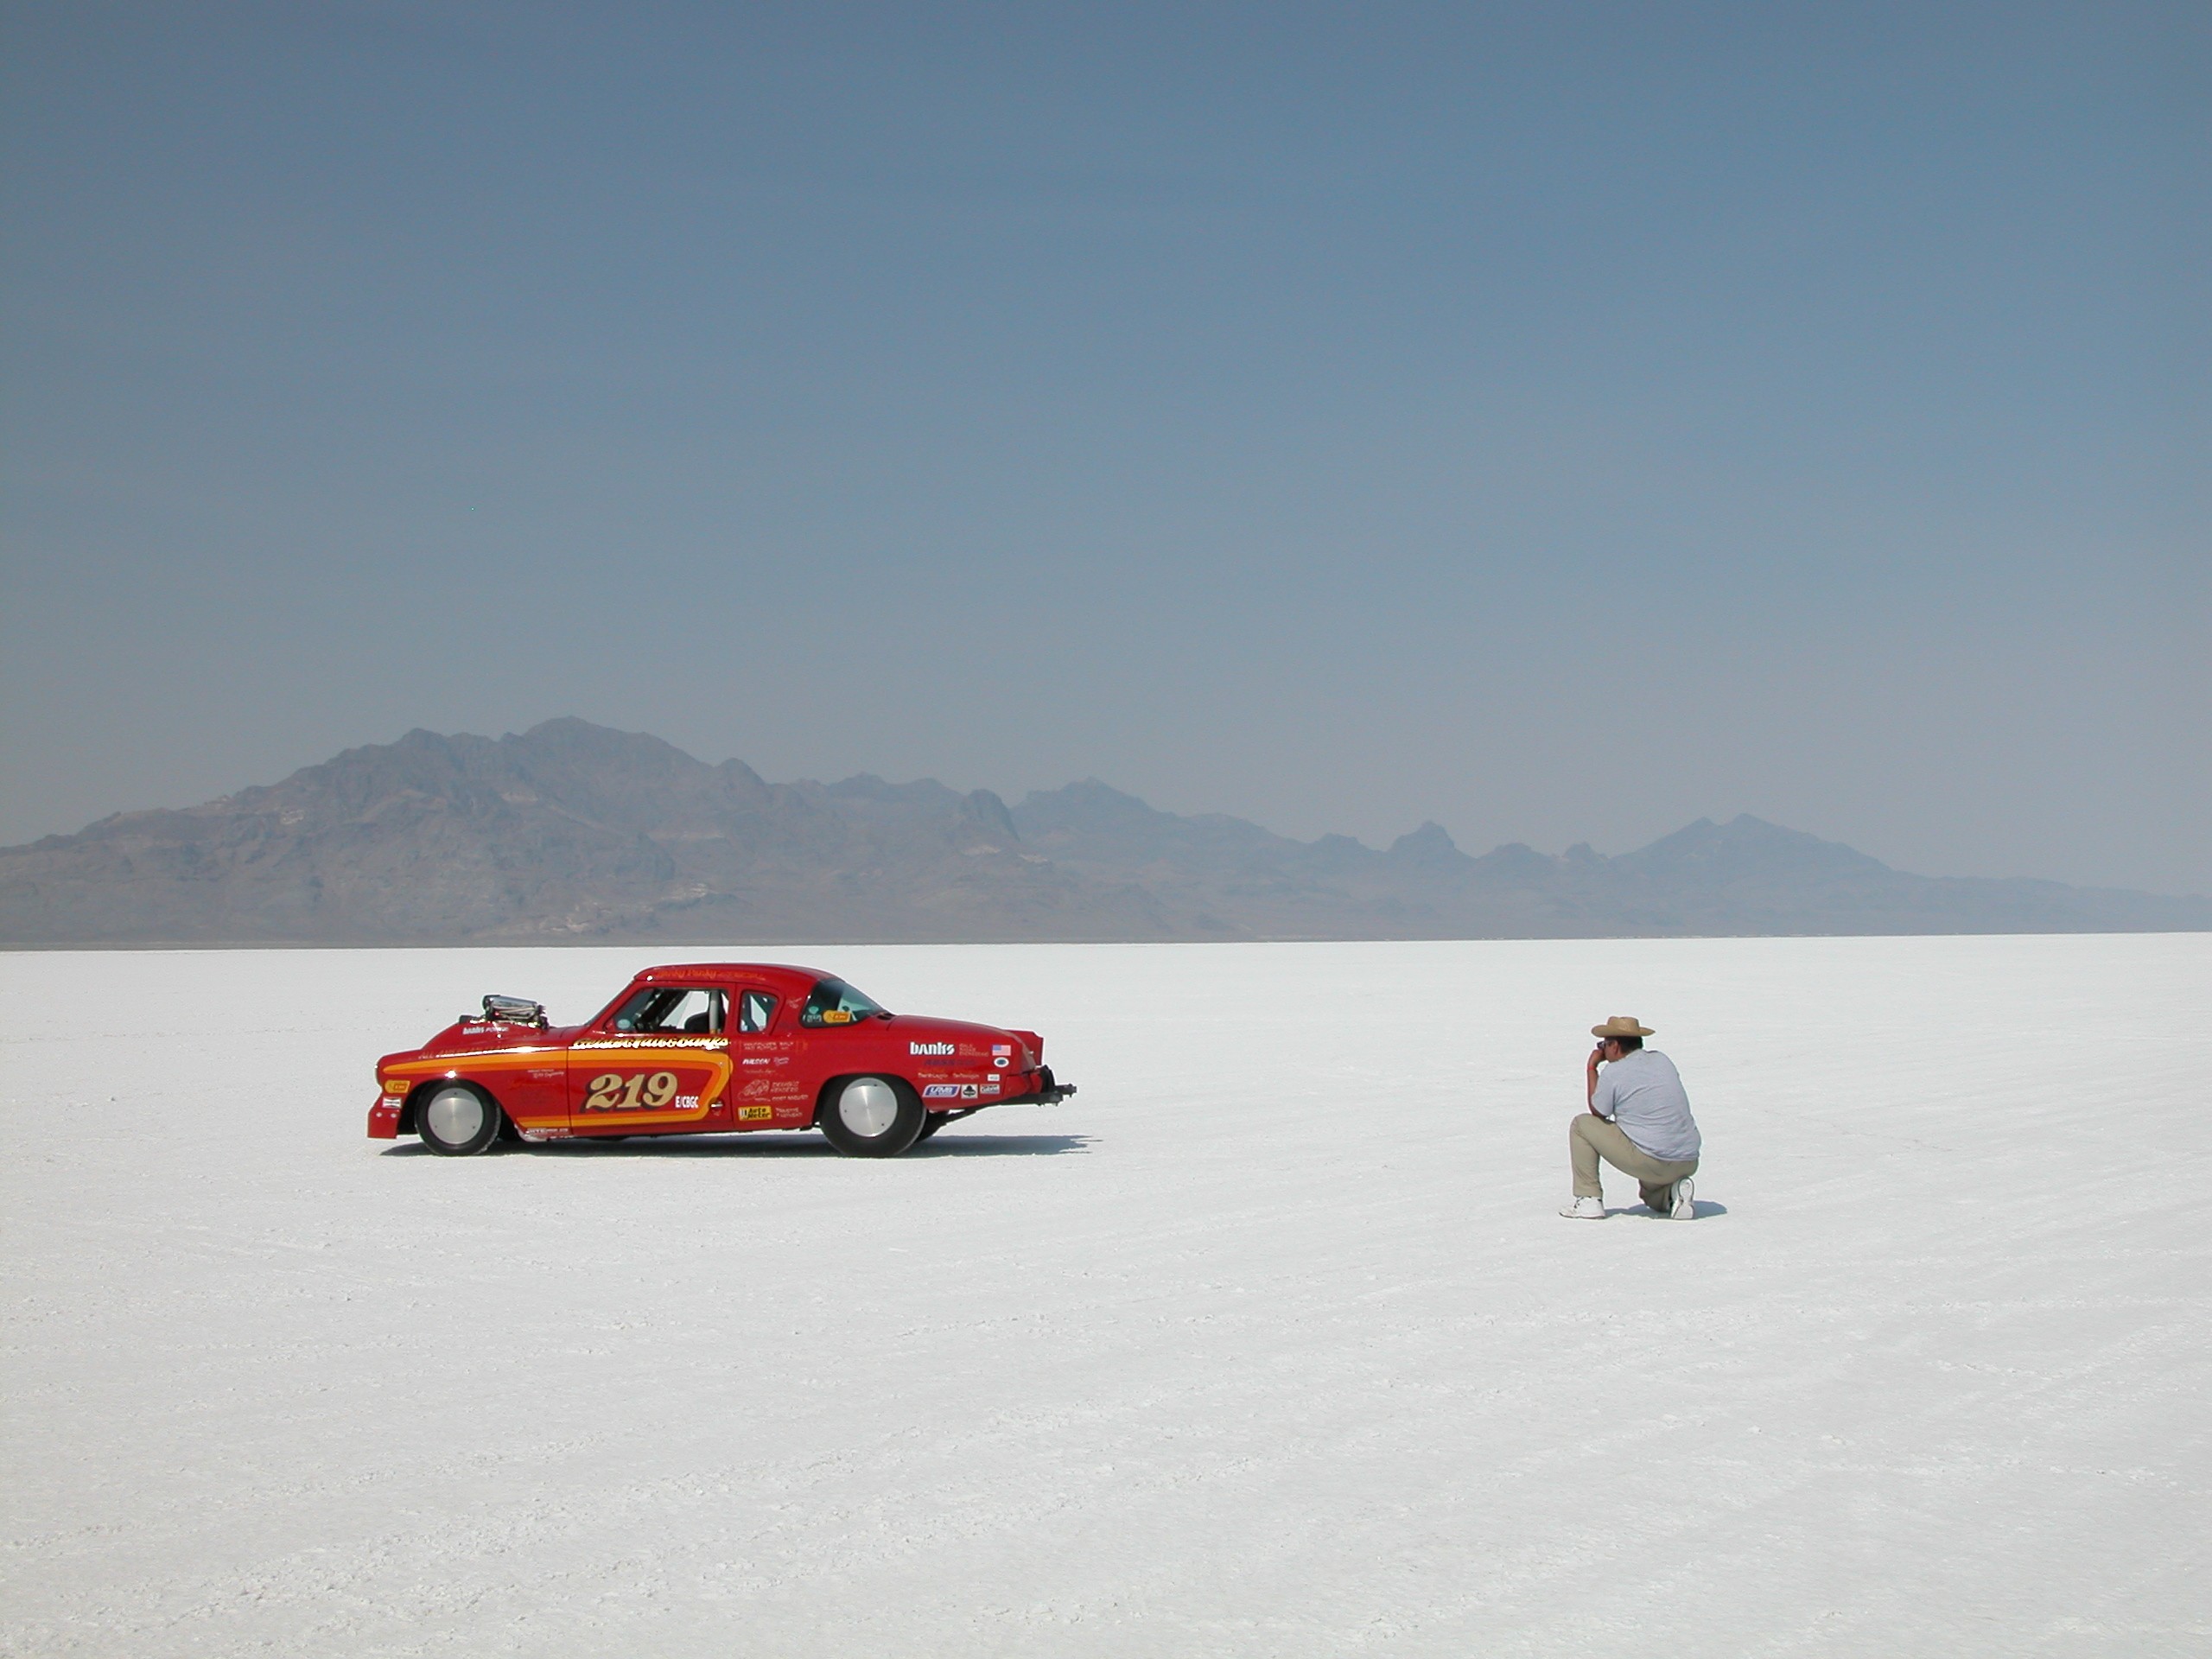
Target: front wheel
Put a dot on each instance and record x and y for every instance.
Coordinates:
(459, 1120)
(872, 1117)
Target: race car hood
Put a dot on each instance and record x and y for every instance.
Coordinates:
(484, 1037)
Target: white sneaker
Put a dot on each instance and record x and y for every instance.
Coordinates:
(1585, 1210)
(1683, 1210)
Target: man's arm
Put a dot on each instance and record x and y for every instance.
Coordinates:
(1590, 1091)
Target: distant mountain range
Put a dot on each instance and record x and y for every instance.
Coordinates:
(575, 832)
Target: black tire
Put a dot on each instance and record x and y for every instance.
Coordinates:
(931, 1123)
(870, 1116)
(457, 1120)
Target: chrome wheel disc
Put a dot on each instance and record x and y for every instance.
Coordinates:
(867, 1107)
(455, 1116)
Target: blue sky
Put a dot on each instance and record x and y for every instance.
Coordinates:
(1560, 421)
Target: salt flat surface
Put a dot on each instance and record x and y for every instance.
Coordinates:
(1268, 1343)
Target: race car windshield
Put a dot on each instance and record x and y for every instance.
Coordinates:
(833, 1003)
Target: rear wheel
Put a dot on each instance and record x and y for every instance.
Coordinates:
(458, 1120)
(931, 1123)
(872, 1117)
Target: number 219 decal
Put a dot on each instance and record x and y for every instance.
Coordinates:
(611, 1092)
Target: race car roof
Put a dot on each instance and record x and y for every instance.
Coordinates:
(767, 972)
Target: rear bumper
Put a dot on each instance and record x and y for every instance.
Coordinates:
(1050, 1090)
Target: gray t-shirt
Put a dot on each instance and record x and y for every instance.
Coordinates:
(1642, 1093)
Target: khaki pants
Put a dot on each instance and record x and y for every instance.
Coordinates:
(1590, 1137)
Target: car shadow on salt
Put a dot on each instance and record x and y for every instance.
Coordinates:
(757, 1145)
(1001, 1146)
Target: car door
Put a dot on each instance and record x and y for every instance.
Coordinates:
(769, 1089)
(661, 1062)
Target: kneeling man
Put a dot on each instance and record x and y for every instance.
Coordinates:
(1639, 1122)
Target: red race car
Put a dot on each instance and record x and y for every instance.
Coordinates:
(703, 1048)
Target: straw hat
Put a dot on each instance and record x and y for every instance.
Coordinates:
(1622, 1025)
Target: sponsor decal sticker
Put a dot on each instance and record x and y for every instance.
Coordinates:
(999, 1062)
(395, 1085)
(929, 1048)
(942, 1091)
(639, 1039)
(990, 1088)
(755, 1113)
(1001, 1048)
(969, 1091)
(836, 1016)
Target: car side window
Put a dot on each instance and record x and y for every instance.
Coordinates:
(833, 1003)
(671, 1010)
(756, 1010)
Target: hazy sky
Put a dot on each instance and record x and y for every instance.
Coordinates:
(1562, 421)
